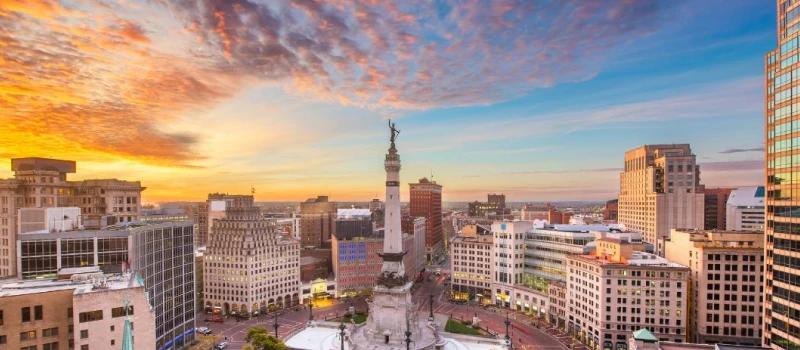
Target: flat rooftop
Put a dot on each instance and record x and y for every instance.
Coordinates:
(119, 230)
(100, 282)
(638, 258)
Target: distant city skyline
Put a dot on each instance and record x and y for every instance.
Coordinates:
(517, 99)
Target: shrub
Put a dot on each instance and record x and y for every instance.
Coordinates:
(476, 326)
(466, 322)
(347, 315)
(361, 313)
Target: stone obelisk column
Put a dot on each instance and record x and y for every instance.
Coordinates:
(393, 236)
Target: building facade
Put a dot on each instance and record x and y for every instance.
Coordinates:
(471, 266)
(426, 201)
(494, 206)
(660, 189)
(357, 263)
(782, 271)
(726, 274)
(531, 212)
(317, 216)
(81, 311)
(42, 183)
(616, 290)
(508, 250)
(248, 266)
(214, 209)
(745, 209)
(611, 211)
(163, 257)
(42, 255)
(546, 250)
(716, 200)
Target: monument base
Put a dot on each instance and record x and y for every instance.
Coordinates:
(391, 313)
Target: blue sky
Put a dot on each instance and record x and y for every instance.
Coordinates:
(535, 99)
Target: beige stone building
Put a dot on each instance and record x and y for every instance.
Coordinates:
(79, 311)
(557, 290)
(659, 190)
(726, 283)
(42, 183)
(617, 290)
(471, 256)
(248, 265)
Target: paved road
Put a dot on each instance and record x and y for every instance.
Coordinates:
(524, 333)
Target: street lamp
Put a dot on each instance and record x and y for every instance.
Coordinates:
(430, 317)
(408, 337)
(508, 338)
(342, 327)
(276, 324)
(310, 310)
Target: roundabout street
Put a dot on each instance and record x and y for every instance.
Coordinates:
(524, 333)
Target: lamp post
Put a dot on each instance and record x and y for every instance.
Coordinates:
(408, 339)
(310, 310)
(508, 338)
(430, 317)
(276, 324)
(342, 327)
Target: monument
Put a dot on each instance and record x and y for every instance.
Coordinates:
(392, 310)
(392, 323)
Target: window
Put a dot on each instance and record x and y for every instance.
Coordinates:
(112, 341)
(50, 332)
(85, 347)
(27, 335)
(50, 346)
(37, 312)
(90, 316)
(112, 328)
(69, 312)
(1, 317)
(84, 334)
(120, 311)
(3, 339)
(26, 314)
(32, 347)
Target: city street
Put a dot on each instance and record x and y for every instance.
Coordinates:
(524, 333)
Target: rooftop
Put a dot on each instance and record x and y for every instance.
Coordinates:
(750, 196)
(353, 213)
(118, 230)
(80, 282)
(638, 258)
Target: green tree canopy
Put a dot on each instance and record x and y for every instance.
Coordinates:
(261, 340)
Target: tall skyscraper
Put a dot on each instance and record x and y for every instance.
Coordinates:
(214, 209)
(42, 183)
(317, 222)
(782, 271)
(660, 189)
(426, 201)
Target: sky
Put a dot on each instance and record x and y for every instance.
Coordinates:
(536, 99)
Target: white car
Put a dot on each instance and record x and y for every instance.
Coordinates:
(203, 330)
(222, 345)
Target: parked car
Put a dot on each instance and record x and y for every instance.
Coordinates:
(222, 345)
(203, 330)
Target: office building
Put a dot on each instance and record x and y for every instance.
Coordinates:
(214, 209)
(357, 263)
(245, 244)
(745, 209)
(782, 270)
(58, 219)
(611, 211)
(659, 190)
(416, 227)
(726, 274)
(42, 255)
(716, 200)
(557, 313)
(617, 290)
(163, 257)
(509, 255)
(317, 217)
(494, 206)
(471, 265)
(546, 250)
(80, 310)
(42, 183)
(531, 212)
(557, 217)
(426, 201)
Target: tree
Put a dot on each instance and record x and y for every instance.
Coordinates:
(262, 340)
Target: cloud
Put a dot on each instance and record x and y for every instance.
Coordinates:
(742, 150)
(98, 80)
